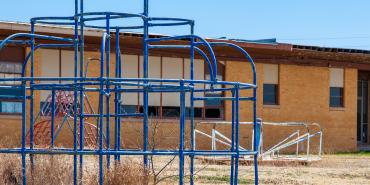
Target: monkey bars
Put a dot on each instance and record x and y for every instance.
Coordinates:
(112, 85)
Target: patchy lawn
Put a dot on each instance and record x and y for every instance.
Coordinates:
(341, 169)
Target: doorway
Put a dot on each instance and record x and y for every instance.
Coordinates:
(362, 109)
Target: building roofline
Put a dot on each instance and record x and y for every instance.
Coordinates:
(265, 46)
(330, 49)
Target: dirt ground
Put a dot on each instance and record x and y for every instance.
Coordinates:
(341, 169)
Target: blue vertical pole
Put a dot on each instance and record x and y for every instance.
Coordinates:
(32, 95)
(76, 44)
(101, 111)
(182, 133)
(82, 48)
(107, 98)
(145, 72)
(52, 117)
(24, 128)
(192, 124)
(237, 101)
(232, 137)
(116, 97)
(255, 131)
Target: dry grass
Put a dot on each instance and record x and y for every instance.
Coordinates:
(52, 170)
(345, 169)
(124, 173)
(349, 169)
(48, 170)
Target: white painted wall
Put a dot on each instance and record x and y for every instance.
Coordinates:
(154, 72)
(49, 67)
(172, 69)
(130, 65)
(198, 75)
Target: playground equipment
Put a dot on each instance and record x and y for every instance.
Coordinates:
(300, 137)
(68, 102)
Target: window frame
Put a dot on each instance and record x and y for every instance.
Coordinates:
(277, 88)
(276, 93)
(342, 90)
(340, 97)
(12, 55)
(200, 112)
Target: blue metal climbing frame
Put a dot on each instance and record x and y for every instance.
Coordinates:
(106, 85)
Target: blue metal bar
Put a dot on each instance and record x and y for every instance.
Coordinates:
(222, 98)
(30, 35)
(37, 19)
(119, 94)
(145, 76)
(31, 95)
(52, 117)
(168, 24)
(81, 84)
(130, 80)
(182, 134)
(174, 19)
(18, 42)
(101, 108)
(192, 123)
(107, 91)
(115, 115)
(75, 57)
(81, 119)
(203, 42)
(114, 15)
(30, 54)
(116, 96)
(237, 148)
(24, 130)
(120, 27)
(57, 23)
(245, 53)
(232, 164)
(192, 48)
(126, 152)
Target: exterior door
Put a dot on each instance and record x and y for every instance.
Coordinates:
(362, 111)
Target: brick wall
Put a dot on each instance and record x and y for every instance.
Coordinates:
(303, 93)
(304, 97)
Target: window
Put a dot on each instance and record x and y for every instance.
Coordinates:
(11, 59)
(336, 87)
(11, 107)
(171, 112)
(214, 108)
(167, 105)
(128, 109)
(270, 84)
(198, 112)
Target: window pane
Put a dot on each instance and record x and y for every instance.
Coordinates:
(270, 94)
(213, 113)
(128, 109)
(153, 111)
(171, 111)
(16, 92)
(213, 102)
(336, 97)
(11, 107)
(270, 73)
(365, 133)
(198, 112)
(335, 102)
(336, 77)
(336, 91)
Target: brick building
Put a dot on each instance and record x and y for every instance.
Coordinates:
(296, 84)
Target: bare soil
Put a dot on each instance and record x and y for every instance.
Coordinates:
(341, 169)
